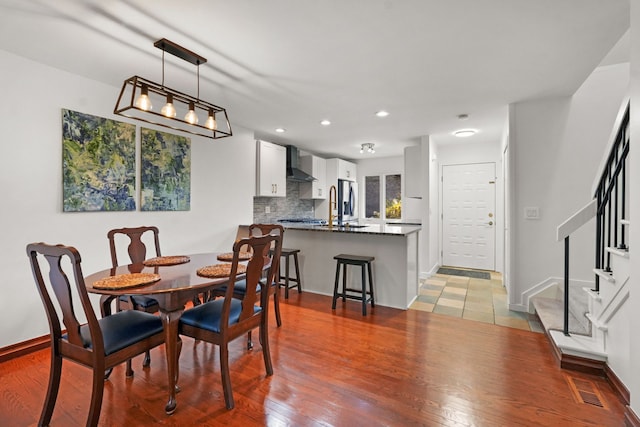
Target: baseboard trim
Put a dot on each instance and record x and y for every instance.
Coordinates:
(24, 347)
(591, 367)
(617, 385)
(630, 417)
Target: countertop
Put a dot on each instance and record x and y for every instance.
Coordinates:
(385, 229)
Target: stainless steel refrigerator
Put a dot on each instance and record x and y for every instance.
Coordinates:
(347, 201)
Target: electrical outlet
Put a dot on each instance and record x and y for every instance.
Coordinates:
(267, 209)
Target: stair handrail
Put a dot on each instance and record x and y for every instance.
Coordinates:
(604, 207)
(577, 220)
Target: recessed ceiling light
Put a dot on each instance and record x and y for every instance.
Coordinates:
(463, 133)
(280, 130)
(382, 113)
(325, 122)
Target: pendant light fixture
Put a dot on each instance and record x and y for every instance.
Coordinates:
(180, 111)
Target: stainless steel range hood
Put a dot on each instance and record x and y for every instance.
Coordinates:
(293, 172)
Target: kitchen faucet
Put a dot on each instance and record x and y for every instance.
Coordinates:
(333, 204)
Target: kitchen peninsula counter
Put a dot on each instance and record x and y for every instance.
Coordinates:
(395, 248)
(386, 229)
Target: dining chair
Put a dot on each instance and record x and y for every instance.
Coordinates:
(98, 344)
(257, 230)
(221, 320)
(137, 251)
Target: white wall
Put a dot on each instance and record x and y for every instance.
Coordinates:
(470, 152)
(556, 146)
(31, 178)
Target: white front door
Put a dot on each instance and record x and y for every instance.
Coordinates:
(468, 215)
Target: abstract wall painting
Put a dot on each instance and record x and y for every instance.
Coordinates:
(165, 171)
(98, 163)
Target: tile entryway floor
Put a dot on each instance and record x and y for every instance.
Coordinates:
(473, 299)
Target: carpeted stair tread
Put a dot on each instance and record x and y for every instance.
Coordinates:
(551, 314)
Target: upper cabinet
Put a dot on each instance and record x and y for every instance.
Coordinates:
(412, 171)
(344, 169)
(271, 174)
(317, 168)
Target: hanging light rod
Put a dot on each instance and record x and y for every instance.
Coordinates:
(180, 111)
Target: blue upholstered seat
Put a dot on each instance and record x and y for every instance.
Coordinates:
(141, 302)
(123, 329)
(240, 287)
(207, 316)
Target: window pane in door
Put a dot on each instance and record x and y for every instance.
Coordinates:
(393, 202)
(372, 196)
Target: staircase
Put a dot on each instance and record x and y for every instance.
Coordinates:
(583, 320)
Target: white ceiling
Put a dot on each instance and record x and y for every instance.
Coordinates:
(292, 63)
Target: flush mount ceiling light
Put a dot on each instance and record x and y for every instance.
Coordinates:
(382, 113)
(180, 111)
(464, 133)
(281, 130)
(368, 147)
(325, 122)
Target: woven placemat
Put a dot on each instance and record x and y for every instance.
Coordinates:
(123, 281)
(166, 260)
(220, 270)
(242, 256)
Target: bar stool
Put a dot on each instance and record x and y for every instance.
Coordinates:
(297, 281)
(362, 261)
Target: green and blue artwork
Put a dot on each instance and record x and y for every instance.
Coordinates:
(166, 171)
(98, 163)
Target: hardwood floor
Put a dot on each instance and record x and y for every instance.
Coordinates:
(391, 368)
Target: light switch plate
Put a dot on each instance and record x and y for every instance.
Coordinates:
(267, 209)
(532, 213)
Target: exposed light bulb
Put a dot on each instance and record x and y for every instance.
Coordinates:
(191, 116)
(143, 102)
(169, 110)
(361, 149)
(211, 120)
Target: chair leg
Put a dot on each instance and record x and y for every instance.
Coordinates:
(344, 282)
(52, 390)
(286, 278)
(364, 291)
(249, 342)
(226, 379)
(297, 266)
(129, 371)
(335, 287)
(96, 397)
(266, 353)
(276, 305)
(373, 304)
(147, 359)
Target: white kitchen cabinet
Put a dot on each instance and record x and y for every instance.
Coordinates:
(343, 169)
(271, 174)
(412, 171)
(317, 168)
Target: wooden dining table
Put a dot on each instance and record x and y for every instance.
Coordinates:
(178, 285)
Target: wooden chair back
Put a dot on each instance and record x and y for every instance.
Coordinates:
(64, 296)
(125, 334)
(136, 249)
(262, 256)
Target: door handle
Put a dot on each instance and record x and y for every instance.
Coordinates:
(490, 223)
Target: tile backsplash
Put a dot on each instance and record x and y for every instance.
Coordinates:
(282, 207)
